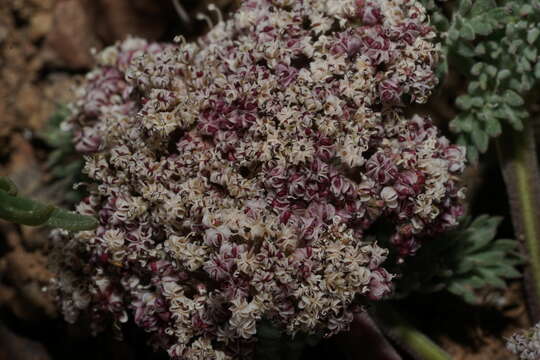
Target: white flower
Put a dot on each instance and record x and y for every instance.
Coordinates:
(390, 196)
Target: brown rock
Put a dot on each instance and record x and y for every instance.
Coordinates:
(28, 102)
(43, 4)
(142, 18)
(40, 25)
(80, 25)
(25, 274)
(72, 35)
(3, 33)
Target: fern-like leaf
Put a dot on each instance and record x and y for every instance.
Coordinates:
(495, 44)
(462, 262)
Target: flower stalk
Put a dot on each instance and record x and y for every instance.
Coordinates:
(410, 339)
(519, 165)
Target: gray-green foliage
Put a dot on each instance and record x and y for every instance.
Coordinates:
(63, 162)
(462, 262)
(25, 211)
(495, 45)
(64, 165)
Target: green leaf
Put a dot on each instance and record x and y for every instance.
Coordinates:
(481, 27)
(465, 266)
(515, 84)
(463, 260)
(532, 35)
(474, 282)
(71, 221)
(55, 157)
(473, 87)
(505, 245)
(453, 34)
(496, 52)
(441, 22)
(464, 6)
(491, 278)
(503, 74)
(472, 154)
(506, 271)
(481, 231)
(482, 6)
(463, 291)
(526, 82)
(513, 117)
(23, 211)
(480, 49)
(464, 102)
(68, 170)
(512, 98)
(525, 65)
(526, 10)
(457, 288)
(493, 126)
(477, 69)
(463, 123)
(483, 80)
(466, 50)
(531, 53)
(477, 102)
(491, 70)
(487, 258)
(480, 138)
(487, 223)
(467, 32)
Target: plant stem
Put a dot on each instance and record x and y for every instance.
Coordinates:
(418, 345)
(519, 165)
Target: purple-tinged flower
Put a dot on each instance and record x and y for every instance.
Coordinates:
(237, 178)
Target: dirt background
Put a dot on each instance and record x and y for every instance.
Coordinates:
(45, 49)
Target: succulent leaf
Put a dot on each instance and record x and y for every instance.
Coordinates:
(25, 211)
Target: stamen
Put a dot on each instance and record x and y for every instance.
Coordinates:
(213, 7)
(201, 16)
(180, 39)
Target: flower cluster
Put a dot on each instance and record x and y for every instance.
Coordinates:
(525, 344)
(238, 178)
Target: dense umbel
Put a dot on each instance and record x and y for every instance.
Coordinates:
(525, 343)
(238, 178)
